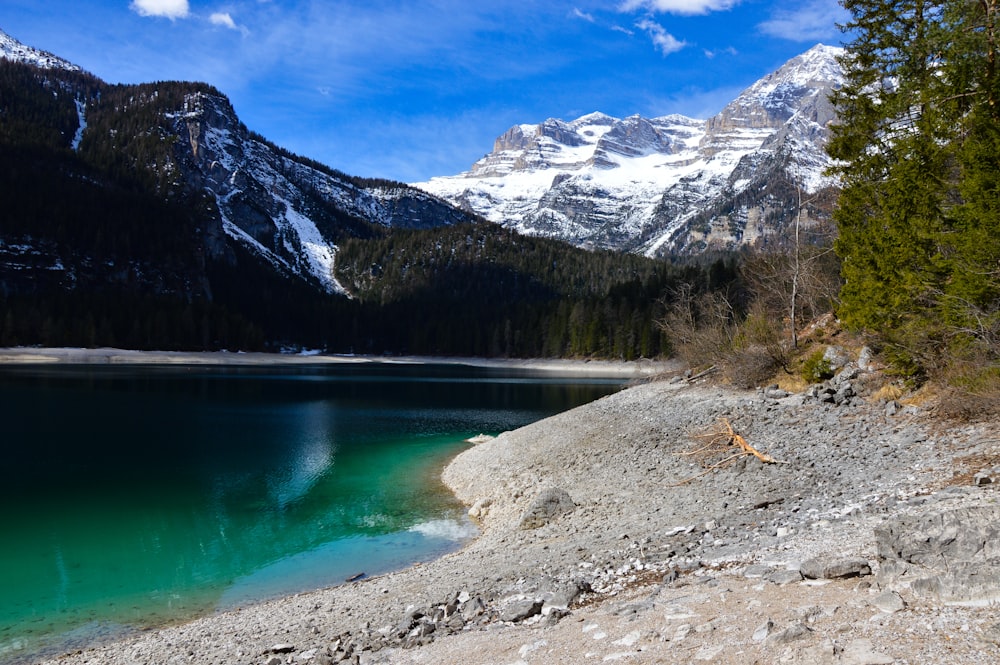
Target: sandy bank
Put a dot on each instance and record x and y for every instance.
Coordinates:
(655, 560)
(108, 356)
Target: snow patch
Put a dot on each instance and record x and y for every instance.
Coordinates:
(81, 108)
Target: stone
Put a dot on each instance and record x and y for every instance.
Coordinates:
(831, 568)
(794, 632)
(473, 608)
(709, 653)
(862, 652)
(549, 504)
(889, 602)
(480, 507)
(274, 660)
(763, 631)
(755, 571)
(282, 648)
(775, 392)
(951, 556)
(519, 610)
(783, 577)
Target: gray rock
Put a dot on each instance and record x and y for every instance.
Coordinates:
(274, 660)
(862, 652)
(473, 608)
(774, 392)
(794, 632)
(951, 556)
(830, 568)
(519, 610)
(783, 577)
(763, 631)
(889, 602)
(282, 648)
(756, 571)
(549, 504)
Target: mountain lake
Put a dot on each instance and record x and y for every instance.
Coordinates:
(140, 495)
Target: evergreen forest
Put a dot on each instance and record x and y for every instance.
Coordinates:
(917, 146)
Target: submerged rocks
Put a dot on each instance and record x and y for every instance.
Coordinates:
(549, 504)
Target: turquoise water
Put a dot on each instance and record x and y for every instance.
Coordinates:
(138, 496)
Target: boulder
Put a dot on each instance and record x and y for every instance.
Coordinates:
(519, 610)
(549, 504)
(952, 556)
(831, 568)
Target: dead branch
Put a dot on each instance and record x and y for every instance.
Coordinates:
(721, 441)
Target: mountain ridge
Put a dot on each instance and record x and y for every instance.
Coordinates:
(148, 216)
(639, 184)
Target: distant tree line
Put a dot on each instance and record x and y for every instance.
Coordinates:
(105, 245)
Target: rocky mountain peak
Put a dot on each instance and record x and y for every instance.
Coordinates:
(11, 49)
(644, 184)
(774, 99)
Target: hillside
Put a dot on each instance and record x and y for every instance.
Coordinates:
(149, 216)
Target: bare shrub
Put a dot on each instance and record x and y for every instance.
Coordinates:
(700, 326)
(705, 329)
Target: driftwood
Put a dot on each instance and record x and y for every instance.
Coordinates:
(711, 370)
(723, 440)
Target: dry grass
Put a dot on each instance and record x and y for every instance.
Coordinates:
(887, 393)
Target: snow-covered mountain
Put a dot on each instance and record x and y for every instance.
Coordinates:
(662, 185)
(11, 49)
(286, 210)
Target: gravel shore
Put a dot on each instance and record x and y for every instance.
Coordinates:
(607, 535)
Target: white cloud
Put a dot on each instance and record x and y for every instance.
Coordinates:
(729, 50)
(663, 40)
(814, 20)
(577, 13)
(171, 9)
(225, 20)
(686, 7)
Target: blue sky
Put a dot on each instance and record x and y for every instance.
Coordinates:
(409, 90)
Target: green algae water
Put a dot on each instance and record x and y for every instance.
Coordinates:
(136, 496)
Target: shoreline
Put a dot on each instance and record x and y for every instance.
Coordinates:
(634, 369)
(651, 561)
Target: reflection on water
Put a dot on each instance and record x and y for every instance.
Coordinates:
(310, 454)
(143, 495)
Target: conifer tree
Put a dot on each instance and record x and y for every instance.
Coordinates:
(893, 143)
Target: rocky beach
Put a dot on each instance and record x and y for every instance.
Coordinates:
(636, 529)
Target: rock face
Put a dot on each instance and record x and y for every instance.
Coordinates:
(287, 210)
(667, 184)
(953, 556)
